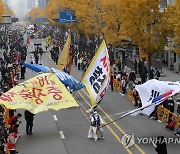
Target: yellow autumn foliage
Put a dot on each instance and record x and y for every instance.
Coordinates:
(8, 11)
(172, 16)
(52, 9)
(86, 11)
(1, 9)
(89, 17)
(36, 12)
(112, 22)
(141, 22)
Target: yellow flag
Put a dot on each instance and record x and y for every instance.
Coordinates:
(48, 40)
(39, 94)
(64, 58)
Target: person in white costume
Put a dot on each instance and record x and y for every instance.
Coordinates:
(95, 131)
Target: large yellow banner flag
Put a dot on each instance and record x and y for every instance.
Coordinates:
(65, 58)
(39, 94)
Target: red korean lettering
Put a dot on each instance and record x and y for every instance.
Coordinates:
(5, 97)
(55, 91)
(8, 96)
(37, 93)
(40, 80)
(46, 80)
(34, 82)
(43, 80)
(52, 82)
(25, 94)
(104, 60)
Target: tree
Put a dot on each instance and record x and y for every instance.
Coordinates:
(52, 9)
(1, 9)
(174, 20)
(86, 11)
(89, 16)
(112, 22)
(8, 11)
(36, 12)
(141, 21)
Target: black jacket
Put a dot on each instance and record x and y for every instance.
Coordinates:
(28, 116)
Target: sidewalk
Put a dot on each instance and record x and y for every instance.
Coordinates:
(170, 75)
(166, 75)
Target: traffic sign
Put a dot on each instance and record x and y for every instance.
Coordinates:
(40, 19)
(67, 17)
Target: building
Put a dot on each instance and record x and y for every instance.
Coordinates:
(47, 1)
(172, 59)
(6, 2)
(31, 4)
(42, 3)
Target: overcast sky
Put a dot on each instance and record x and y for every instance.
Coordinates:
(19, 9)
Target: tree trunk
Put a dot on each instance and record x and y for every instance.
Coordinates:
(123, 58)
(149, 63)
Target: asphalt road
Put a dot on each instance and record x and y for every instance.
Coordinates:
(65, 131)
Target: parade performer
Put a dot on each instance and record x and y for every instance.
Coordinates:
(95, 130)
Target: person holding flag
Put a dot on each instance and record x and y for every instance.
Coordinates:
(95, 130)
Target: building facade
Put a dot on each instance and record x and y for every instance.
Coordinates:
(42, 3)
(31, 4)
(6, 2)
(172, 59)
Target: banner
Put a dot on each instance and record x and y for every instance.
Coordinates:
(65, 58)
(40, 19)
(39, 94)
(97, 76)
(65, 78)
(68, 80)
(154, 90)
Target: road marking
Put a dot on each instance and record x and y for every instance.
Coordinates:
(55, 118)
(110, 129)
(61, 134)
(115, 135)
(116, 125)
(112, 115)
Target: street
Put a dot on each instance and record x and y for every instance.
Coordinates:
(89, 77)
(65, 131)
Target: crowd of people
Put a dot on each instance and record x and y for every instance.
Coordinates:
(119, 71)
(128, 80)
(13, 51)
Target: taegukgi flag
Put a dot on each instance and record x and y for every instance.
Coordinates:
(154, 90)
(97, 76)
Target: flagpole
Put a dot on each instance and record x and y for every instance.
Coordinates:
(136, 110)
(103, 43)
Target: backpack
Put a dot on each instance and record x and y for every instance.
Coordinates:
(11, 139)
